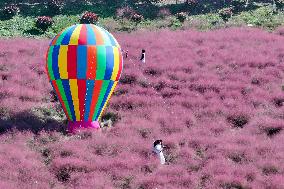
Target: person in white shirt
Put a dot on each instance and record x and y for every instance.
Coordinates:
(143, 57)
(158, 149)
(124, 53)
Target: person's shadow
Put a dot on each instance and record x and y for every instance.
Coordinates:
(27, 121)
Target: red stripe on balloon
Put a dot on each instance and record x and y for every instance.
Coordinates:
(82, 95)
(55, 39)
(72, 61)
(96, 93)
(92, 62)
(120, 67)
(46, 65)
(60, 98)
(83, 35)
(46, 69)
(46, 54)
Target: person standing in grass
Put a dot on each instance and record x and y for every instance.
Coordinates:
(158, 149)
(126, 54)
(143, 58)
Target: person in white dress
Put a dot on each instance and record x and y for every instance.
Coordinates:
(158, 149)
(143, 56)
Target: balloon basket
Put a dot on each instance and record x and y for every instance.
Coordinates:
(74, 126)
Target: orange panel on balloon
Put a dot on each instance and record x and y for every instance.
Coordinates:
(92, 62)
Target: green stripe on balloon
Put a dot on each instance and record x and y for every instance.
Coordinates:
(63, 96)
(101, 62)
(49, 63)
(62, 35)
(104, 102)
(101, 97)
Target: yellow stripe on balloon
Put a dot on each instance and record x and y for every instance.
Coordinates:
(74, 93)
(109, 95)
(62, 61)
(106, 38)
(75, 35)
(116, 63)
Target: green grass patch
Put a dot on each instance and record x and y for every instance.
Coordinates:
(264, 17)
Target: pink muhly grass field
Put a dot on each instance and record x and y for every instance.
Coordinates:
(216, 99)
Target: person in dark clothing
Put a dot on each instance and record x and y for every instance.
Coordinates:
(126, 54)
(143, 58)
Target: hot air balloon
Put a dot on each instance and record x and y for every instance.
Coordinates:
(84, 63)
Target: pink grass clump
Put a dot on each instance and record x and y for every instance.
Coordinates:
(215, 98)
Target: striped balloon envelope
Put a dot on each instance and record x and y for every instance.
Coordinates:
(84, 64)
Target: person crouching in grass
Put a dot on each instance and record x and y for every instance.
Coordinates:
(158, 149)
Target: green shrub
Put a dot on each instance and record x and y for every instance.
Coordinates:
(137, 18)
(114, 117)
(164, 12)
(263, 17)
(191, 2)
(125, 12)
(226, 13)
(238, 121)
(181, 16)
(4, 113)
(63, 174)
(10, 11)
(63, 21)
(43, 22)
(279, 4)
(227, 185)
(270, 169)
(89, 18)
(55, 6)
(126, 25)
(47, 113)
(191, 5)
(238, 5)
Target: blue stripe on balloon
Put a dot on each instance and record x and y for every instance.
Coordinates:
(67, 36)
(82, 62)
(55, 67)
(91, 37)
(90, 89)
(105, 98)
(113, 43)
(109, 62)
(66, 86)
